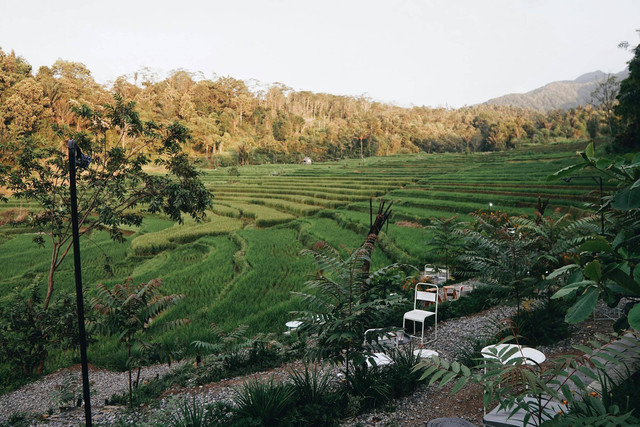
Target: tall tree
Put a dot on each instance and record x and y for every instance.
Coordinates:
(114, 184)
(629, 106)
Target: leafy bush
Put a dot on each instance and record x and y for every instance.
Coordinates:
(402, 376)
(316, 403)
(370, 385)
(542, 325)
(264, 403)
(187, 414)
(481, 298)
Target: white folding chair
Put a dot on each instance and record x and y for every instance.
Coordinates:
(418, 314)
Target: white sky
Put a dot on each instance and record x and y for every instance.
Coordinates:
(434, 53)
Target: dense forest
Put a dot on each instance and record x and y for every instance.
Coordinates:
(231, 124)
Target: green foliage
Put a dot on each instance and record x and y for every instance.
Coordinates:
(29, 333)
(316, 401)
(628, 106)
(69, 391)
(337, 308)
(188, 414)
(189, 231)
(498, 253)
(402, 375)
(517, 386)
(542, 325)
(446, 238)
(481, 298)
(115, 183)
(129, 312)
(605, 267)
(369, 386)
(264, 403)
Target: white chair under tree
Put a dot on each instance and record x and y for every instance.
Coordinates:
(424, 293)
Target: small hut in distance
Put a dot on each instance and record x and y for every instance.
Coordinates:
(306, 161)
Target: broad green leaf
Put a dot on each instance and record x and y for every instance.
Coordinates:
(564, 172)
(465, 371)
(459, 384)
(625, 281)
(447, 378)
(635, 184)
(571, 288)
(603, 163)
(627, 199)
(634, 317)
(583, 307)
(589, 150)
(593, 270)
(596, 245)
(436, 376)
(561, 270)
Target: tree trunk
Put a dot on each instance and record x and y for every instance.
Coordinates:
(382, 217)
(52, 269)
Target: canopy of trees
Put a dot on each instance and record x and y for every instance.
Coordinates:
(231, 124)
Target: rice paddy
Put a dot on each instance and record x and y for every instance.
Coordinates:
(240, 265)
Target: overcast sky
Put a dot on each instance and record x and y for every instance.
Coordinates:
(434, 53)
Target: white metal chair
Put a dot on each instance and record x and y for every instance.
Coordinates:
(418, 314)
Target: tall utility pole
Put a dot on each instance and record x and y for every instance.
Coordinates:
(83, 161)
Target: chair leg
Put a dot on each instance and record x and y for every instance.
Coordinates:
(435, 325)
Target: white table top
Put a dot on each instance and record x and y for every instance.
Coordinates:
(531, 355)
(292, 324)
(425, 353)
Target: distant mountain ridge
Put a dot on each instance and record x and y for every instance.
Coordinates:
(561, 94)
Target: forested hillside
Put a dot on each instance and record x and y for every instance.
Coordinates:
(231, 124)
(562, 94)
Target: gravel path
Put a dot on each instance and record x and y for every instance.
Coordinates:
(35, 399)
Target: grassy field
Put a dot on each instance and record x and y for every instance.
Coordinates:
(240, 265)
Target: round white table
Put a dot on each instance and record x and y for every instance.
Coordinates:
(293, 324)
(530, 355)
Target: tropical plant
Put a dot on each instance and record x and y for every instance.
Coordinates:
(317, 403)
(543, 393)
(119, 146)
(446, 238)
(187, 414)
(129, 311)
(335, 308)
(606, 267)
(498, 253)
(28, 332)
(265, 402)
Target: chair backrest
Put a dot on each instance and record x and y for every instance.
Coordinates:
(423, 295)
(443, 275)
(429, 270)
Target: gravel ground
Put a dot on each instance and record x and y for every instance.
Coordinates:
(424, 404)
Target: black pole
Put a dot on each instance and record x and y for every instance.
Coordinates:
(78, 271)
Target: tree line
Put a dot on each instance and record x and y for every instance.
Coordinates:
(231, 124)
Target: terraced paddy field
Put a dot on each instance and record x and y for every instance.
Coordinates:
(241, 264)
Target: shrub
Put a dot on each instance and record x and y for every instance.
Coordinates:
(187, 414)
(369, 385)
(402, 376)
(481, 298)
(266, 403)
(542, 325)
(316, 401)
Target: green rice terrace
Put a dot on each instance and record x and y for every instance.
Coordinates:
(240, 265)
